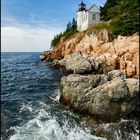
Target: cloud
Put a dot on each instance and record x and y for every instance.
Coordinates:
(17, 36)
(31, 22)
(26, 39)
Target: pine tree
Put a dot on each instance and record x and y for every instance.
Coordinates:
(68, 26)
(70, 30)
(74, 24)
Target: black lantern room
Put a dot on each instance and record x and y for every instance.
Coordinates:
(82, 6)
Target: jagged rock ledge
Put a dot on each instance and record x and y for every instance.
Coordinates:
(77, 63)
(98, 53)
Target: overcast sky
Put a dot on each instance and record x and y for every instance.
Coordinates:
(29, 25)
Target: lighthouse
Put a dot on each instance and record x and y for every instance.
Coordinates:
(80, 13)
(87, 17)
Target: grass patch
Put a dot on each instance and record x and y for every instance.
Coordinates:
(99, 27)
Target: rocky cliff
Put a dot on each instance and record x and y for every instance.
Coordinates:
(98, 52)
(102, 82)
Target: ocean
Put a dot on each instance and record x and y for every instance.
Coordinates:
(30, 108)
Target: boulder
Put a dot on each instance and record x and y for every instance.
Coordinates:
(130, 69)
(42, 57)
(75, 63)
(105, 36)
(136, 62)
(109, 96)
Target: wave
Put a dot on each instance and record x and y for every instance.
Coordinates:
(46, 126)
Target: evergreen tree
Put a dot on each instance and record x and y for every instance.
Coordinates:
(70, 30)
(124, 15)
(107, 12)
(68, 26)
(74, 24)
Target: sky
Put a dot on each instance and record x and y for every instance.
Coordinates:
(29, 25)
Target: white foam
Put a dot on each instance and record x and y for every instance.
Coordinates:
(118, 134)
(49, 128)
(57, 95)
(26, 107)
(46, 126)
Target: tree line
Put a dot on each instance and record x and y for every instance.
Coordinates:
(71, 29)
(124, 16)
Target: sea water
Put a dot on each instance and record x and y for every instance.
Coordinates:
(30, 107)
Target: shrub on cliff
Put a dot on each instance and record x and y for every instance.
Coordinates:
(125, 26)
(124, 16)
(98, 27)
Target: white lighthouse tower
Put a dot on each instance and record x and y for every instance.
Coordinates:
(87, 17)
(80, 12)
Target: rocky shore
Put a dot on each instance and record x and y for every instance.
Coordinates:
(97, 52)
(103, 79)
(107, 96)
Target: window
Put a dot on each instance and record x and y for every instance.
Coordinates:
(93, 16)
